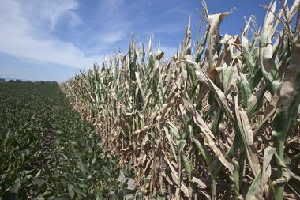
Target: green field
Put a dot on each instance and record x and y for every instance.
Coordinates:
(47, 151)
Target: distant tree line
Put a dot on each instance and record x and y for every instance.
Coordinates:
(19, 80)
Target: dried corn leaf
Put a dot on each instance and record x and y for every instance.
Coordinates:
(247, 136)
(199, 183)
(209, 137)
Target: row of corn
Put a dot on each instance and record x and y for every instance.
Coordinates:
(218, 120)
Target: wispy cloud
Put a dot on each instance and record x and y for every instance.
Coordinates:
(112, 37)
(49, 12)
(20, 37)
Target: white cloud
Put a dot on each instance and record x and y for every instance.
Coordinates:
(19, 36)
(112, 6)
(50, 11)
(75, 20)
(112, 37)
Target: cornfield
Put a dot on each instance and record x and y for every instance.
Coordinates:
(218, 120)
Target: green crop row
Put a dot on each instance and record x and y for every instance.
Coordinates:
(47, 151)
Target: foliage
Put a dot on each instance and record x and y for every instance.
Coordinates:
(47, 151)
(217, 121)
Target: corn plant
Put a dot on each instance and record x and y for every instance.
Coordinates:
(218, 120)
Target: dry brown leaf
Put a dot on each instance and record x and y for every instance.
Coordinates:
(247, 136)
(214, 22)
(175, 178)
(199, 183)
(208, 136)
(290, 87)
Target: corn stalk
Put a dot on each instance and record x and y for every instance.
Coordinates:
(217, 121)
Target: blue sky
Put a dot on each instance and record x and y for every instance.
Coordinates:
(53, 39)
